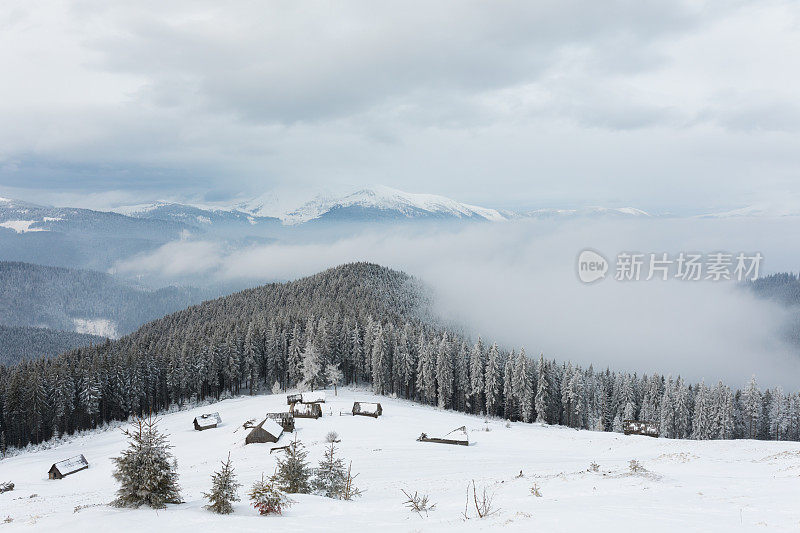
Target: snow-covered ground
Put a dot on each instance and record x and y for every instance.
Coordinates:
(687, 485)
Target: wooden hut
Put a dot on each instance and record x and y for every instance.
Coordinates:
(640, 427)
(458, 437)
(306, 410)
(313, 397)
(286, 420)
(68, 466)
(267, 431)
(367, 409)
(293, 398)
(207, 421)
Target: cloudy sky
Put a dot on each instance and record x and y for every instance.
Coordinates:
(667, 106)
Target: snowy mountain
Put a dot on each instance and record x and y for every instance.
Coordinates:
(385, 203)
(200, 216)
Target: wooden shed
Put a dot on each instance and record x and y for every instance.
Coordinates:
(313, 397)
(367, 409)
(293, 398)
(286, 420)
(458, 437)
(267, 431)
(640, 427)
(68, 466)
(207, 421)
(306, 410)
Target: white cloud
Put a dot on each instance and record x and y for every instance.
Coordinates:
(539, 104)
(516, 283)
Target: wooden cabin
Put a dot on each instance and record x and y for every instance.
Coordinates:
(313, 397)
(267, 431)
(207, 421)
(458, 437)
(367, 409)
(69, 466)
(640, 427)
(286, 420)
(293, 398)
(306, 410)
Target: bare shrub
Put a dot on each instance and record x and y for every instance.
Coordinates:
(636, 467)
(332, 436)
(419, 503)
(350, 491)
(535, 490)
(594, 467)
(483, 503)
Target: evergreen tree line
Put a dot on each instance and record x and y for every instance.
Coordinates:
(359, 324)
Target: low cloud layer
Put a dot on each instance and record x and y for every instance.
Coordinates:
(516, 283)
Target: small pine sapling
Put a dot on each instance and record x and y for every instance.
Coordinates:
(419, 503)
(294, 474)
(267, 498)
(535, 490)
(330, 475)
(224, 489)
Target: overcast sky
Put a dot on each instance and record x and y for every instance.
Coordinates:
(666, 106)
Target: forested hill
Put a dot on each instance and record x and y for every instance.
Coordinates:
(359, 323)
(20, 342)
(82, 300)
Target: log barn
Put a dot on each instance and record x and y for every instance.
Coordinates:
(69, 466)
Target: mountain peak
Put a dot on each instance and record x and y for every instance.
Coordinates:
(385, 202)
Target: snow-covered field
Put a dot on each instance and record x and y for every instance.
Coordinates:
(687, 485)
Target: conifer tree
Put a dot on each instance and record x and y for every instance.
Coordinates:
(268, 498)
(444, 373)
(146, 471)
(523, 387)
(311, 369)
(294, 474)
(224, 489)
(476, 376)
(493, 381)
(543, 387)
(751, 406)
(330, 476)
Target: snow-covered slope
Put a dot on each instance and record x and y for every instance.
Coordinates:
(588, 212)
(385, 202)
(703, 486)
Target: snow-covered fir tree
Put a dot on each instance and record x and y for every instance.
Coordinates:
(293, 474)
(444, 373)
(146, 471)
(268, 498)
(224, 489)
(330, 476)
(492, 377)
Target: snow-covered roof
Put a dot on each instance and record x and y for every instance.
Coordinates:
(73, 464)
(367, 407)
(313, 397)
(271, 427)
(303, 409)
(208, 420)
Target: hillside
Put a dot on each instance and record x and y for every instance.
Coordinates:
(365, 324)
(81, 300)
(714, 486)
(19, 342)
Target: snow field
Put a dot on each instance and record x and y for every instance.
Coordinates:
(687, 485)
